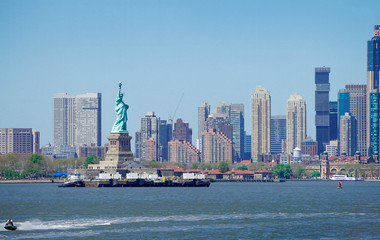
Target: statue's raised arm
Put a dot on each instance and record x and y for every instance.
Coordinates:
(120, 88)
(121, 113)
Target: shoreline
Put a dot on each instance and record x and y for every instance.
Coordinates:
(13, 181)
(30, 181)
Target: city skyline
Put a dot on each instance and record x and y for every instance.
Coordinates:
(210, 52)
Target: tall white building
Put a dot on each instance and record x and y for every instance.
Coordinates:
(261, 112)
(295, 122)
(77, 120)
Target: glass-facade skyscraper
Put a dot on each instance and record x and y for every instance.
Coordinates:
(165, 135)
(333, 120)
(322, 107)
(373, 60)
(374, 119)
(277, 133)
(373, 86)
(237, 122)
(343, 105)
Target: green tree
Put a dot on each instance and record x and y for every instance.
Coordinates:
(92, 159)
(315, 174)
(256, 166)
(298, 170)
(282, 171)
(10, 174)
(223, 167)
(33, 166)
(209, 166)
(181, 165)
(242, 167)
(195, 165)
(36, 159)
(152, 164)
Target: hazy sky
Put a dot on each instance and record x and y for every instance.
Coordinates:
(214, 51)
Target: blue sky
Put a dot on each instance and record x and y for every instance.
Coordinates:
(214, 51)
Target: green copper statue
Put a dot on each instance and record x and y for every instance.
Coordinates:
(121, 113)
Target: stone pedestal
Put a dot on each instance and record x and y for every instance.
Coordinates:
(119, 152)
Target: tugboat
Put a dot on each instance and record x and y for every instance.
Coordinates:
(74, 180)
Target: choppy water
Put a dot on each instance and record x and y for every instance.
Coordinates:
(291, 210)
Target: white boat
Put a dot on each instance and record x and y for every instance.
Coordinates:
(74, 180)
(74, 177)
(343, 178)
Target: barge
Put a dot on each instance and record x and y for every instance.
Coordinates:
(140, 180)
(145, 183)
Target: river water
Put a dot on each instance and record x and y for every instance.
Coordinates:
(290, 210)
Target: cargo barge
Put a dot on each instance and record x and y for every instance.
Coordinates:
(145, 183)
(140, 180)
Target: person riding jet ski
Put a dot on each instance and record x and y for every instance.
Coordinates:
(9, 222)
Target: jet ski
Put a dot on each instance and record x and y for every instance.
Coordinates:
(10, 227)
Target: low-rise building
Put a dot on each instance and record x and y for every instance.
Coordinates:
(239, 174)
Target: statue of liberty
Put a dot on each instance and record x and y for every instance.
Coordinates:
(121, 113)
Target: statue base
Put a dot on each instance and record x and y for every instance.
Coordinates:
(119, 152)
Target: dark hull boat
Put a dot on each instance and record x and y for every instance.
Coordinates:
(10, 227)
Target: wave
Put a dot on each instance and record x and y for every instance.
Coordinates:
(84, 223)
(37, 224)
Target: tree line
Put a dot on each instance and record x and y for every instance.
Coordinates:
(14, 165)
(34, 165)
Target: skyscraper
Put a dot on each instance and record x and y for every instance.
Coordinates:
(216, 147)
(203, 113)
(247, 146)
(295, 122)
(322, 107)
(261, 113)
(348, 132)
(88, 117)
(343, 105)
(147, 140)
(222, 108)
(374, 118)
(165, 134)
(277, 133)
(77, 120)
(183, 152)
(221, 123)
(333, 120)
(358, 109)
(182, 131)
(373, 78)
(237, 122)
